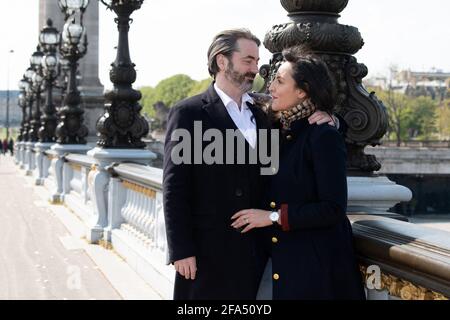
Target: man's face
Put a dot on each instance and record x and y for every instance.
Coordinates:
(242, 68)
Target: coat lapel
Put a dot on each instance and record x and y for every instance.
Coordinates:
(216, 110)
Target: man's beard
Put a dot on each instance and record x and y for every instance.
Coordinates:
(239, 79)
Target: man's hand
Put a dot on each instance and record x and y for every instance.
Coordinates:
(321, 117)
(186, 267)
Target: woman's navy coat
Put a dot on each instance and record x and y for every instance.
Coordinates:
(314, 259)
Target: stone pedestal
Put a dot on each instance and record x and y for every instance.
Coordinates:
(29, 155)
(57, 195)
(99, 180)
(42, 162)
(21, 154)
(375, 195)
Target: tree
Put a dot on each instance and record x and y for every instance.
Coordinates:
(443, 120)
(421, 117)
(398, 110)
(199, 87)
(169, 91)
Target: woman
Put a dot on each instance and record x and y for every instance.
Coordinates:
(307, 230)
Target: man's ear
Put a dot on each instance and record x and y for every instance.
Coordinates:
(221, 61)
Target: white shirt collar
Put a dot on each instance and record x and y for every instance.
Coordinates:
(226, 99)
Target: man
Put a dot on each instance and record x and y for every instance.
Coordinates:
(213, 260)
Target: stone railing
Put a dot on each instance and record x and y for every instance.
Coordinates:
(136, 228)
(76, 191)
(400, 260)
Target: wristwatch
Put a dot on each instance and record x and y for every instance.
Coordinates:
(274, 216)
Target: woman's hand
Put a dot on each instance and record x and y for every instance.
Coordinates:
(253, 218)
(321, 117)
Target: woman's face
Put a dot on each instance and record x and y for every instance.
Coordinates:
(284, 90)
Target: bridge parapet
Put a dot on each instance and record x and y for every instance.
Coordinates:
(400, 260)
(136, 223)
(412, 160)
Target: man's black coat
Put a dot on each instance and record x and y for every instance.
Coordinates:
(199, 200)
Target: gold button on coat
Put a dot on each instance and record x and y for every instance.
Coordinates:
(276, 276)
(274, 240)
(289, 138)
(273, 205)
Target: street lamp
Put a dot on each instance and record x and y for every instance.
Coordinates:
(29, 99)
(49, 39)
(71, 129)
(122, 126)
(70, 7)
(36, 89)
(23, 87)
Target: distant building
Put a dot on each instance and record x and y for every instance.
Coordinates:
(435, 83)
(15, 113)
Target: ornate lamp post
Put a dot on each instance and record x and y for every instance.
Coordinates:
(122, 126)
(315, 24)
(70, 132)
(49, 40)
(23, 86)
(23, 135)
(29, 99)
(34, 77)
(71, 129)
(36, 86)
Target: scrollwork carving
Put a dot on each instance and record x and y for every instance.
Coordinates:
(312, 27)
(403, 289)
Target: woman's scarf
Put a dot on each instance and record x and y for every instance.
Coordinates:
(303, 110)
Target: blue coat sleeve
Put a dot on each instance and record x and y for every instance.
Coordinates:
(328, 155)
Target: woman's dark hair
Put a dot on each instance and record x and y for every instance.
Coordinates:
(312, 75)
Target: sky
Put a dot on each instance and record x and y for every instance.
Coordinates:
(169, 37)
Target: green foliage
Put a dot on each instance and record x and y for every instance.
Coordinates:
(411, 117)
(258, 83)
(443, 120)
(170, 91)
(421, 118)
(200, 87)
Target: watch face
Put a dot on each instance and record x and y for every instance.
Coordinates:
(274, 216)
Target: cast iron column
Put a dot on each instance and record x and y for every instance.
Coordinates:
(314, 24)
(122, 126)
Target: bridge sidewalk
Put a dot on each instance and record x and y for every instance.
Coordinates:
(43, 255)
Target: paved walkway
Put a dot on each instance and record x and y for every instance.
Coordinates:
(43, 257)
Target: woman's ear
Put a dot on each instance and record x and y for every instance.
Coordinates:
(301, 94)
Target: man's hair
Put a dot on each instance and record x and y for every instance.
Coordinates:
(226, 43)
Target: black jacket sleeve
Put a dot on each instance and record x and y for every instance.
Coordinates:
(328, 155)
(176, 191)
